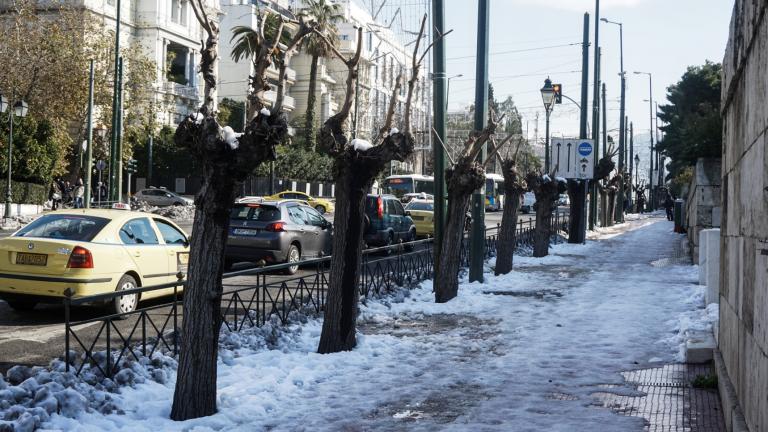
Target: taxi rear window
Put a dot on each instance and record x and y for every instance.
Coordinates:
(64, 227)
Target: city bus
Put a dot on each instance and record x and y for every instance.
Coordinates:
(399, 185)
(494, 192)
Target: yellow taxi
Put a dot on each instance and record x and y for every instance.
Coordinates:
(319, 204)
(422, 212)
(92, 252)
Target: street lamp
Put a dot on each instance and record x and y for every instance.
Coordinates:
(651, 132)
(448, 88)
(548, 96)
(637, 164)
(20, 109)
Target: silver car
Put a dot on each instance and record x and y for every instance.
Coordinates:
(161, 197)
(276, 232)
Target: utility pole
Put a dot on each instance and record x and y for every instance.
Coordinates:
(119, 145)
(578, 215)
(595, 116)
(477, 237)
(89, 150)
(605, 122)
(438, 110)
(115, 107)
(149, 160)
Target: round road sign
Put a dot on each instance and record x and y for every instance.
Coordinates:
(585, 149)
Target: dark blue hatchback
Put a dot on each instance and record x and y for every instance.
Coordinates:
(386, 221)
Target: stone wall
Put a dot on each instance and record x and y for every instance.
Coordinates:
(704, 204)
(744, 234)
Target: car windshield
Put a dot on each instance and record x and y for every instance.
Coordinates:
(255, 212)
(424, 206)
(65, 227)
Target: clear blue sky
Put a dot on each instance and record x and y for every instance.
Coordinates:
(660, 36)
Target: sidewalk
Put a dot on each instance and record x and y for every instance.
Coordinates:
(540, 349)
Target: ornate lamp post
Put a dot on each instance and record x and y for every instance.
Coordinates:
(548, 96)
(20, 109)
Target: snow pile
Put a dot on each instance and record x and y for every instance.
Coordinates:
(199, 117)
(15, 222)
(561, 180)
(694, 324)
(32, 397)
(546, 178)
(394, 131)
(177, 213)
(265, 112)
(230, 137)
(489, 360)
(361, 144)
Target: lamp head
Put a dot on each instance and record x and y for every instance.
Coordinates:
(20, 109)
(3, 103)
(548, 94)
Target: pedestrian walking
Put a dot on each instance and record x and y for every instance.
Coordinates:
(79, 193)
(55, 194)
(669, 205)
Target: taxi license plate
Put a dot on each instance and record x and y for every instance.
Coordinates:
(244, 232)
(31, 259)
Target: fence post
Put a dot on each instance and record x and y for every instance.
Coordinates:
(67, 305)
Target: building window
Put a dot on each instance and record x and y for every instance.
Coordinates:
(176, 61)
(179, 11)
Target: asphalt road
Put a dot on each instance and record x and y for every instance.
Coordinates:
(36, 337)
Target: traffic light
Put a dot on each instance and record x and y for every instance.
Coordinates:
(131, 166)
(558, 88)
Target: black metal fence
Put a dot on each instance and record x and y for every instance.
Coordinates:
(104, 342)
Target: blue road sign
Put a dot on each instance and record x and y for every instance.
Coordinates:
(585, 149)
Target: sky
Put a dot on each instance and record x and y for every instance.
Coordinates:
(527, 41)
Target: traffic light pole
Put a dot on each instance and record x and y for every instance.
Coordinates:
(578, 188)
(477, 236)
(89, 150)
(595, 117)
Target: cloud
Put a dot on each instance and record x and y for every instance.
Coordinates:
(581, 5)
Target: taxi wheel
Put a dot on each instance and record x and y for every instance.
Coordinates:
(411, 238)
(320, 209)
(128, 303)
(22, 305)
(294, 256)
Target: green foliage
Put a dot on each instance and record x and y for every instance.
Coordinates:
(27, 193)
(300, 164)
(705, 381)
(694, 126)
(326, 15)
(681, 181)
(167, 157)
(37, 149)
(231, 114)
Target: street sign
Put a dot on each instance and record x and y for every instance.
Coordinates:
(101, 165)
(573, 158)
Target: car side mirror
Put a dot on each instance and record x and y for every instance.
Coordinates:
(168, 195)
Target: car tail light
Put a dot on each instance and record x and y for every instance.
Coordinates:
(380, 208)
(275, 227)
(80, 258)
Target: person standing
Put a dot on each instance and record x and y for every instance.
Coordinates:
(79, 193)
(55, 194)
(669, 205)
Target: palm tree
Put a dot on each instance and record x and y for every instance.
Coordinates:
(247, 45)
(325, 15)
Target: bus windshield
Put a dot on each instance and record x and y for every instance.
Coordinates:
(399, 186)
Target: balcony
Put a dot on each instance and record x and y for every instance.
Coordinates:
(289, 103)
(272, 72)
(181, 90)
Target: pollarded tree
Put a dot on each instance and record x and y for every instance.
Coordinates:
(466, 175)
(226, 160)
(547, 190)
(356, 165)
(514, 188)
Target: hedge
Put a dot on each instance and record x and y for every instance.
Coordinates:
(25, 193)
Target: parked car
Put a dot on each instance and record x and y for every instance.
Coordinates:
(162, 197)
(529, 199)
(564, 200)
(386, 222)
(416, 195)
(91, 251)
(319, 204)
(277, 232)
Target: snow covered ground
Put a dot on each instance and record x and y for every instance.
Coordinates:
(520, 352)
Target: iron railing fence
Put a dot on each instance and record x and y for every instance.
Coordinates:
(154, 327)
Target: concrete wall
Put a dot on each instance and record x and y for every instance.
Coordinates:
(704, 204)
(744, 235)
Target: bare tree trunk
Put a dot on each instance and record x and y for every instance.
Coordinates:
(462, 180)
(577, 195)
(227, 159)
(505, 243)
(547, 192)
(310, 137)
